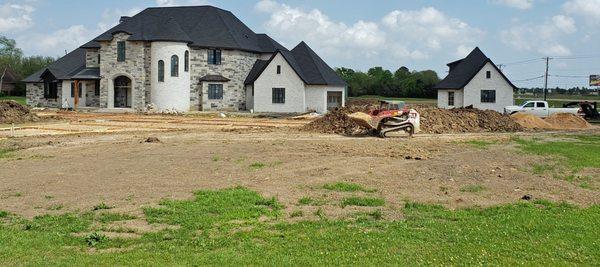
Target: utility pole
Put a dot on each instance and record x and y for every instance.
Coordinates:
(546, 81)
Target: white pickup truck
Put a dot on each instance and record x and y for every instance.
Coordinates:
(538, 108)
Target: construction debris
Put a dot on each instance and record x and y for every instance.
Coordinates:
(13, 112)
(463, 120)
(152, 139)
(336, 122)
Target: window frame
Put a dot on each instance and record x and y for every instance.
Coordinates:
(278, 69)
(160, 70)
(485, 98)
(50, 90)
(488, 74)
(174, 66)
(215, 95)
(186, 61)
(121, 51)
(278, 95)
(214, 56)
(97, 88)
(79, 90)
(451, 103)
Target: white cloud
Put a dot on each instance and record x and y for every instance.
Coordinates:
(15, 17)
(181, 2)
(54, 43)
(519, 4)
(544, 38)
(588, 9)
(401, 34)
(110, 17)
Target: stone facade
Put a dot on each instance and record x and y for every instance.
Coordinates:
(91, 58)
(35, 96)
(136, 67)
(91, 99)
(235, 66)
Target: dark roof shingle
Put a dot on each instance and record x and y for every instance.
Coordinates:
(63, 68)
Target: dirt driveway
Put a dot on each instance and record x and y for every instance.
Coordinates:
(102, 158)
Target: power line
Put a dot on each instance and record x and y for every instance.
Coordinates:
(579, 56)
(529, 79)
(522, 62)
(570, 76)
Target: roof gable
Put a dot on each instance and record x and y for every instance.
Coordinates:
(462, 71)
(63, 68)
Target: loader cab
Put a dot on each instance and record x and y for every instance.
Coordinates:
(391, 105)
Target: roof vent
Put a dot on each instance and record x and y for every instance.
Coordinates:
(124, 18)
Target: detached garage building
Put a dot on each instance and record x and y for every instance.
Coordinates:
(475, 81)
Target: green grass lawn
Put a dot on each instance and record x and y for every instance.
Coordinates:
(406, 99)
(239, 227)
(20, 99)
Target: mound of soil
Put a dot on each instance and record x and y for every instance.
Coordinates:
(463, 120)
(336, 122)
(567, 121)
(13, 112)
(531, 122)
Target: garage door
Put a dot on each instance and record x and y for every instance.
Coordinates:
(334, 100)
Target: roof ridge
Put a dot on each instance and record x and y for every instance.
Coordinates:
(311, 58)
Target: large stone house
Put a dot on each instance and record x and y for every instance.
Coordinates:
(186, 59)
(475, 81)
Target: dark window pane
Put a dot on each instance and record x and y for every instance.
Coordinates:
(161, 71)
(278, 69)
(186, 61)
(174, 66)
(97, 88)
(488, 96)
(121, 51)
(215, 91)
(450, 98)
(488, 74)
(214, 57)
(78, 89)
(278, 95)
(217, 57)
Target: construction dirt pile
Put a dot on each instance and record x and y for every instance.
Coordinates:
(13, 112)
(559, 121)
(337, 122)
(464, 120)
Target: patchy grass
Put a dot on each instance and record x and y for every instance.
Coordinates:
(296, 213)
(114, 217)
(55, 207)
(579, 153)
(481, 144)
(346, 187)
(6, 153)
(215, 158)
(362, 201)
(474, 188)
(3, 214)
(102, 206)
(312, 201)
(532, 233)
(19, 99)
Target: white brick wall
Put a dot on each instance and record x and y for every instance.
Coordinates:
(288, 79)
(316, 97)
(504, 92)
(174, 92)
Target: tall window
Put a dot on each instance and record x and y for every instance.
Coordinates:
(488, 74)
(97, 88)
(488, 96)
(78, 89)
(215, 91)
(278, 95)
(121, 51)
(214, 57)
(278, 69)
(98, 58)
(450, 98)
(161, 71)
(50, 90)
(186, 61)
(174, 66)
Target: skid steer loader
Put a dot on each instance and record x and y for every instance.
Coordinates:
(391, 116)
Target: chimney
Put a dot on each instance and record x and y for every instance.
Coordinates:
(124, 18)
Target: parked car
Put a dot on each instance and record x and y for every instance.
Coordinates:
(539, 108)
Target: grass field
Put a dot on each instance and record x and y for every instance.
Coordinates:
(406, 99)
(239, 227)
(20, 99)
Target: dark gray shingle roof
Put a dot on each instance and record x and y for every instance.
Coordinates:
(305, 62)
(213, 78)
(87, 74)
(63, 68)
(463, 70)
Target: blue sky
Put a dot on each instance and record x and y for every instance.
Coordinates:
(361, 34)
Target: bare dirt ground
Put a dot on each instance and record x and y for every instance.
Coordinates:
(87, 159)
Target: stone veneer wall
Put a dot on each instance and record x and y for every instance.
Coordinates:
(35, 96)
(91, 58)
(235, 66)
(136, 66)
(91, 99)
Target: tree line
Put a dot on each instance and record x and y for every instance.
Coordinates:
(382, 82)
(12, 57)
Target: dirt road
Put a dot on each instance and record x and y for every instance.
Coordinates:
(94, 158)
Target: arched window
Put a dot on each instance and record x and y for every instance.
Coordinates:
(161, 71)
(174, 66)
(186, 61)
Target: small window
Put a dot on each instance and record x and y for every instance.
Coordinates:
(278, 69)
(488, 74)
(50, 90)
(186, 61)
(540, 105)
(161, 71)
(278, 95)
(174, 66)
(98, 58)
(450, 98)
(78, 89)
(121, 51)
(215, 91)
(214, 57)
(529, 105)
(97, 88)
(488, 96)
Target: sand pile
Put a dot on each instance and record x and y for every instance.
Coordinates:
(463, 120)
(559, 121)
(13, 112)
(531, 122)
(336, 122)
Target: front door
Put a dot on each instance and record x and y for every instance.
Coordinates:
(334, 100)
(122, 88)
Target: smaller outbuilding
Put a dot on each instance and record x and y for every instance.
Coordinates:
(475, 81)
(8, 81)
